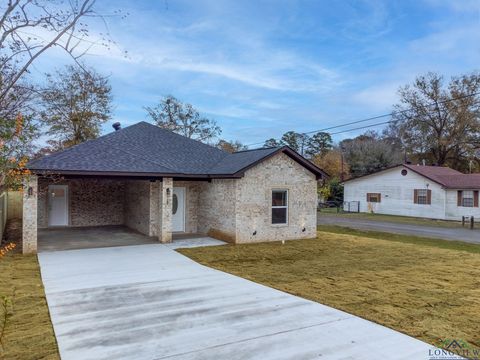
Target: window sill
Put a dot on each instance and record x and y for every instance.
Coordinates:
(279, 225)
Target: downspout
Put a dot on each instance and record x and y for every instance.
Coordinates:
(445, 192)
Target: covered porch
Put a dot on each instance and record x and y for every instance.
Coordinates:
(91, 212)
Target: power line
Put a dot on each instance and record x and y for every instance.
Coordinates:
(373, 118)
(365, 127)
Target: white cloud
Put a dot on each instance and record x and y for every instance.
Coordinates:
(378, 97)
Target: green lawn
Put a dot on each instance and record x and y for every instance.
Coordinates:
(420, 287)
(392, 218)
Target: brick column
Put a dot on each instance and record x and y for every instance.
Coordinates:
(154, 208)
(165, 223)
(30, 194)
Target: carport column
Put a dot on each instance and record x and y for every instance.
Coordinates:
(165, 232)
(30, 195)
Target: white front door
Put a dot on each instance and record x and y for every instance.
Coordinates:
(178, 209)
(58, 205)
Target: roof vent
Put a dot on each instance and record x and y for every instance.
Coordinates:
(117, 126)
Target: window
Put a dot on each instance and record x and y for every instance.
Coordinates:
(374, 197)
(174, 204)
(467, 198)
(422, 196)
(279, 206)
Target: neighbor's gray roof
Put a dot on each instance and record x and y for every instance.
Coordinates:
(144, 148)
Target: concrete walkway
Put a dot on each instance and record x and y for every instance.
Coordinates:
(150, 302)
(436, 232)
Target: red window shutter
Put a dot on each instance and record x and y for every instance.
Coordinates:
(429, 197)
(459, 198)
(415, 196)
(475, 198)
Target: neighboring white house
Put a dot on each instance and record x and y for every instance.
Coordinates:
(415, 190)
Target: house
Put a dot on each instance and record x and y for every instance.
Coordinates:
(415, 190)
(158, 183)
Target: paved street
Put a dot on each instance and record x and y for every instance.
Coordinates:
(461, 234)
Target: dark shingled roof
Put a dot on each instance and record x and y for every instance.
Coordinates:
(146, 149)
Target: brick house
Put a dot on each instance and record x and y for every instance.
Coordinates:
(158, 183)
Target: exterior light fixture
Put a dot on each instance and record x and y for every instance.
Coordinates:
(30, 191)
(254, 233)
(304, 229)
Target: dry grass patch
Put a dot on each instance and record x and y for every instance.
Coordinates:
(28, 333)
(427, 292)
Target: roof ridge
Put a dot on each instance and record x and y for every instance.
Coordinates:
(182, 136)
(257, 149)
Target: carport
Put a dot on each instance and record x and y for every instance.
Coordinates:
(75, 212)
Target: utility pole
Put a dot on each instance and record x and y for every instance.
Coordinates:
(302, 146)
(341, 164)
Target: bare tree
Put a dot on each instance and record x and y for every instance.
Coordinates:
(231, 146)
(28, 28)
(184, 119)
(76, 103)
(440, 122)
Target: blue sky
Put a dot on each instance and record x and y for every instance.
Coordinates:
(261, 68)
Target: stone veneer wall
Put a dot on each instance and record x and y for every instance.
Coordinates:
(254, 199)
(216, 210)
(137, 205)
(92, 202)
(30, 219)
(155, 200)
(233, 210)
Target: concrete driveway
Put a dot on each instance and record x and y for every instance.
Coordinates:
(150, 302)
(436, 232)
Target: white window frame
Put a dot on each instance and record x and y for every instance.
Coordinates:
(422, 193)
(279, 207)
(468, 198)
